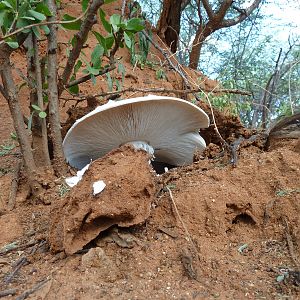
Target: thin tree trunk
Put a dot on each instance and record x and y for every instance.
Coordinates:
(17, 116)
(54, 116)
(168, 26)
(38, 125)
(43, 137)
(196, 49)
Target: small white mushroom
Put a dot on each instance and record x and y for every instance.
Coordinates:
(166, 126)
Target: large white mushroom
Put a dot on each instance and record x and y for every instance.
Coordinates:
(164, 126)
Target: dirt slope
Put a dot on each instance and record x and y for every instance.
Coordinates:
(214, 231)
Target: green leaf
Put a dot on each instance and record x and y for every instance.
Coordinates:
(45, 28)
(36, 107)
(38, 16)
(28, 18)
(3, 14)
(77, 66)
(135, 25)
(108, 1)
(96, 56)
(84, 4)
(92, 70)
(42, 114)
(128, 40)
(101, 40)
(109, 41)
(9, 5)
(115, 21)
(36, 32)
(109, 82)
(44, 9)
(105, 23)
(75, 88)
(71, 26)
(12, 44)
(29, 124)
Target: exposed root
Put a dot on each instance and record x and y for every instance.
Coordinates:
(290, 243)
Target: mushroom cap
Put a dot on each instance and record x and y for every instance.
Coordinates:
(170, 125)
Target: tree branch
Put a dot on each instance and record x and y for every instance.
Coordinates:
(208, 9)
(242, 16)
(2, 39)
(182, 92)
(80, 37)
(88, 77)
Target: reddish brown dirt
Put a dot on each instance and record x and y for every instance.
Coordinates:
(125, 200)
(234, 233)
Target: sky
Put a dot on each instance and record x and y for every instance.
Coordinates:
(283, 16)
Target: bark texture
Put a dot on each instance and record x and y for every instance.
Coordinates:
(216, 19)
(54, 116)
(168, 26)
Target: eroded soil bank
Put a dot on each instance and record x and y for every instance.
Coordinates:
(234, 234)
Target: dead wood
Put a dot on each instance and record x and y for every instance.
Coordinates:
(18, 265)
(290, 244)
(8, 292)
(35, 288)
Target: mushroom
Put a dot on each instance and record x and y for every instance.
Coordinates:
(167, 127)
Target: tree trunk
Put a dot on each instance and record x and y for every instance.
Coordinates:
(38, 125)
(43, 137)
(168, 25)
(196, 49)
(17, 116)
(54, 116)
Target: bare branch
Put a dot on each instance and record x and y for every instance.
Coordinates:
(242, 16)
(208, 9)
(182, 92)
(88, 77)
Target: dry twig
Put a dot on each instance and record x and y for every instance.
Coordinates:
(290, 243)
(8, 292)
(35, 288)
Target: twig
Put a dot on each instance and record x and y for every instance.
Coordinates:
(14, 186)
(9, 292)
(35, 288)
(188, 235)
(163, 90)
(88, 77)
(2, 39)
(290, 243)
(164, 53)
(19, 264)
(186, 257)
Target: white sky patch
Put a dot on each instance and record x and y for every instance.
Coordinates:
(282, 19)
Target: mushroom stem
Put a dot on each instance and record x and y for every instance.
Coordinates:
(140, 145)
